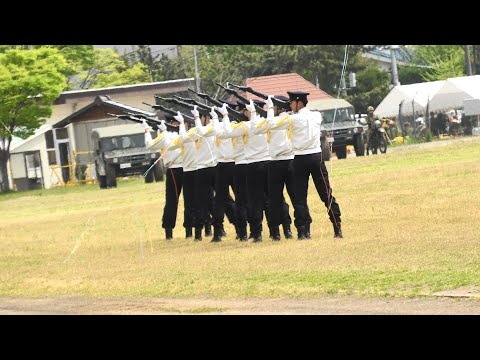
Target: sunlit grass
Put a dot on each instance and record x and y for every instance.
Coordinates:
(411, 222)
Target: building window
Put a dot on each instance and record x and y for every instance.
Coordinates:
(49, 139)
(62, 133)
(52, 159)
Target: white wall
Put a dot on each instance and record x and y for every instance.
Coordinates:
(37, 142)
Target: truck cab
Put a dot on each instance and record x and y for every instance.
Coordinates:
(120, 150)
(339, 127)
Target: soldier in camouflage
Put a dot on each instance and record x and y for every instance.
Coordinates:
(370, 119)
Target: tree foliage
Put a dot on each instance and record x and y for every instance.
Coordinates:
(441, 61)
(410, 74)
(372, 87)
(109, 69)
(30, 80)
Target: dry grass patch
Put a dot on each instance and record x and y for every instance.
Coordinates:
(410, 218)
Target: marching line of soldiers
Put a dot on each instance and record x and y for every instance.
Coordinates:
(256, 156)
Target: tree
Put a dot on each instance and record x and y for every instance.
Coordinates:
(30, 80)
(410, 74)
(235, 63)
(442, 61)
(109, 69)
(372, 87)
(79, 58)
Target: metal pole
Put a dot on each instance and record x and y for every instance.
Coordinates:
(467, 60)
(413, 117)
(197, 78)
(394, 65)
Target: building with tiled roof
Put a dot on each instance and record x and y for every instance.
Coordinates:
(280, 84)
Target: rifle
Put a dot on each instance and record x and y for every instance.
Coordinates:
(201, 111)
(199, 104)
(187, 118)
(262, 112)
(141, 118)
(233, 113)
(278, 102)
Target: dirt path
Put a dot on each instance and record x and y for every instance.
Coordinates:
(324, 305)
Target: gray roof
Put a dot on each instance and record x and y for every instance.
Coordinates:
(119, 107)
(327, 104)
(142, 85)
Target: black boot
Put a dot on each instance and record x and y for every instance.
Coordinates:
(188, 232)
(307, 230)
(302, 233)
(257, 237)
(168, 234)
(217, 234)
(287, 231)
(208, 230)
(242, 234)
(198, 233)
(257, 234)
(337, 228)
(275, 233)
(222, 231)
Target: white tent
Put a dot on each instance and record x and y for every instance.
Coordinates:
(414, 96)
(454, 91)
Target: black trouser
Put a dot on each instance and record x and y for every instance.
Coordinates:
(223, 201)
(173, 188)
(257, 176)
(204, 185)
(303, 166)
(280, 173)
(240, 191)
(189, 212)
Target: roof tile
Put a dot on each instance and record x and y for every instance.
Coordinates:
(280, 84)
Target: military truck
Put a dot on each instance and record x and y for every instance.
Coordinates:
(120, 150)
(345, 130)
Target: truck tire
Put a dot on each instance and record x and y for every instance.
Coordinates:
(111, 176)
(383, 145)
(150, 177)
(341, 152)
(326, 154)
(159, 171)
(359, 145)
(102, 180)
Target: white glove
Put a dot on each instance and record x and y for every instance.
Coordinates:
(162, 126)
(250, 107)
(146, 126)
(195, 111)
(269, 101)
(179, 117)
(223, 109)
(213, 113)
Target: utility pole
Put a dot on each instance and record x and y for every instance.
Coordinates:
(393, 60)
(467, 60)
(197, 78)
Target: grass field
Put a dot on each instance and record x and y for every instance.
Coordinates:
(411, 223)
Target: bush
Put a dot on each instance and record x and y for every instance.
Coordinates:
(428, 136)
